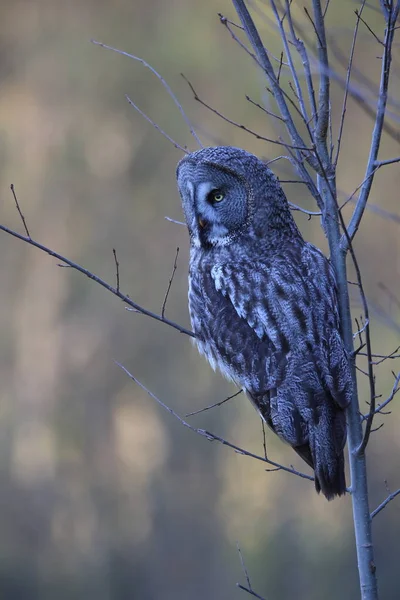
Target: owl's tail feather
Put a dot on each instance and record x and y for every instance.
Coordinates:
(326, 442)
(330, 481)
(331, 484)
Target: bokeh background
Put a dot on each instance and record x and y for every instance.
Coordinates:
(103, 494)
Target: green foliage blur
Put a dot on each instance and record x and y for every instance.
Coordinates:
(103, 494)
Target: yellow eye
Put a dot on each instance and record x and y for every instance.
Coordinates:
(216, 196)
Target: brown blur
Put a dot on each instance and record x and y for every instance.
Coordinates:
(103, 494)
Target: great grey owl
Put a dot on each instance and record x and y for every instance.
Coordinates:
(263, 305)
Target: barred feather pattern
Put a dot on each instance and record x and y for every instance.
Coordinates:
(263, 306)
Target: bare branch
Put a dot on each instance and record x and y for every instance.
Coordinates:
(246, 574)
(346, 87)
(384, 503)
(238, 125)
(393, 355)
(390, 161)
(97, 279)
(256, 43)
(201, 410)
(249, 591)
(359, 17)
(117, 270)
(309, 213)
(156, 126)
(163, 82)
(382, 405)
(19, 211)
(293, 71)
(377, 131)
(211, 436)
(301, 49)
(164, 304)
(350, 198)
(267, 112)
(264, 437)
(224, 21)
(358, 96)
(174, 221)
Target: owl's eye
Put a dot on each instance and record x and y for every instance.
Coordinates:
(215, 196)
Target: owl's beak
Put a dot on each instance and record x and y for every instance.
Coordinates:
(201, 222)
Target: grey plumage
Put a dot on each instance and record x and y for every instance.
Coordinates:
(263, 305)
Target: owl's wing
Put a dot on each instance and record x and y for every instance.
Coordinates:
(292, 303)
(274, 298)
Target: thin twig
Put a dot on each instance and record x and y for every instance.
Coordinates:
(309, 213)
(377, 132)
(19, 211)
(382, 405)
(382, 212)
(393, 355)
(211, 436)
(238, 125)
(164, 304)
(309, 17)
(259, 49)
(224, 21)
(359, 17)
(155, 125)
(117, 269)
(264, 438)
(201, 410)
(269, 113)
(368, 106)
(246, 574)
(346, 87)
(350, 198)
(301, 49)
(174, 221)
(384, 503)
(245, 589)
(278, 75)
(97, 279)
(163, 82)
(326, 8)
(390, 161)
(299, 92)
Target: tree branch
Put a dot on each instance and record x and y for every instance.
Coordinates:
(163, 82)
(211, 436)
(354, 224)
(98, 280)
(258, 47)
(346, 87)
(384, 504)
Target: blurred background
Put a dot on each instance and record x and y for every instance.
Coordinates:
(103, 494)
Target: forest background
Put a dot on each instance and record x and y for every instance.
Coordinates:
(102, 494)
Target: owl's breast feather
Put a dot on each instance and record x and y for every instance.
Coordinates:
(207, 310)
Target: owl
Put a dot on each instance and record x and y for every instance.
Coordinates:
(263, 305)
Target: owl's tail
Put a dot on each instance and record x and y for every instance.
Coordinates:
(326, 442)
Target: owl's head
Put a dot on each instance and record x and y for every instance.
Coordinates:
(228, 193)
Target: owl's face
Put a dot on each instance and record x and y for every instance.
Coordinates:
(215, 201)
(227, 194)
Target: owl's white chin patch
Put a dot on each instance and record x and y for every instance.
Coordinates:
(218, 235)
